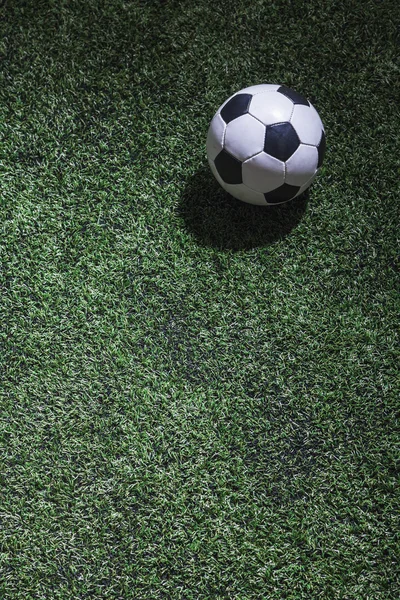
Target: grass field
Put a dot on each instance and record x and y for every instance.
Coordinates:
(199, 398)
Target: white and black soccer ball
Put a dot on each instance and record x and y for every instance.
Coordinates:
(266, 144)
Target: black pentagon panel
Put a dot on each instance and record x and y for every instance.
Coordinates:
(236, 107)
(295, 97)
(282, 194)
(228, 167)
(281, 140)
(321, 150)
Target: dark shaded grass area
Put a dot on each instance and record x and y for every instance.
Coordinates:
(199, 398)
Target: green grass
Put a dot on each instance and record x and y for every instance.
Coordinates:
(199, 398)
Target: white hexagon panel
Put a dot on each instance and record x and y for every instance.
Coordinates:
(263, 173)
(271, 108)
(307, 185)
(307, 124)
(244, 137)
(244, 193)
(302, 165)
(258, 89)
(215, 137)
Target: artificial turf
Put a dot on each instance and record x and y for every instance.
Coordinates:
(199, 398)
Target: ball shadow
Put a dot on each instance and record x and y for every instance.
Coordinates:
(217, 219)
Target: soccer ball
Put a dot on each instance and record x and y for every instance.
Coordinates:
(266, 144)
